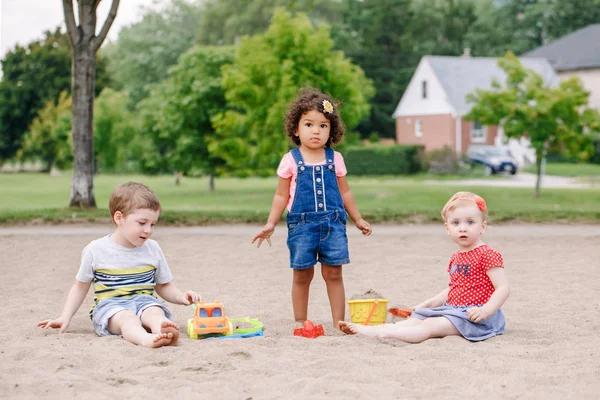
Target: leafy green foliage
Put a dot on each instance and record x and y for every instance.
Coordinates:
(145, 50)
(32, 76)
(116, 147)
(551, 117)
(265, 76)
(384, 160)
(49, 136)
(225, 21)
(177, 115)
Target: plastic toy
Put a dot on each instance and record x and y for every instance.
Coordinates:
(368, 311)
(255, 329)
(309, 330)
(400, 312)
(210, 322)
(208, 318)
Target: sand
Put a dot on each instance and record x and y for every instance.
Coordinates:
(551, 348)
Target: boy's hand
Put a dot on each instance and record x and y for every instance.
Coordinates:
(364, 227)
(264, 234)
(189, 297)
(55, 323)
(477, 314)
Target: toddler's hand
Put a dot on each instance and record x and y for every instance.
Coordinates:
(189, 297)
(264, 234)
(55, 323)
(364, 227)
(477, 314)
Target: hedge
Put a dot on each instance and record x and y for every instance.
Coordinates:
(384, 160)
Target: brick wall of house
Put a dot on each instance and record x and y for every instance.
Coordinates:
(491, 132)
(437, 131)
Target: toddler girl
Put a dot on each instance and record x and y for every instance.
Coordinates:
(478, 287)
(313, 187)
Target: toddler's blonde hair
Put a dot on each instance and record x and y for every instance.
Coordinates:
(459, 196)
(131, 196)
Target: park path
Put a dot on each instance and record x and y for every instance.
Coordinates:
(522, 179)
(514, 229)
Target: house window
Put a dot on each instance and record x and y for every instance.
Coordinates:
(478, 133)
(418, 128)
(424, 89)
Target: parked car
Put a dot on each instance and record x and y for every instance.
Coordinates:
(495, 159)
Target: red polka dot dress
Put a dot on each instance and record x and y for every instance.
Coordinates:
(470, 286)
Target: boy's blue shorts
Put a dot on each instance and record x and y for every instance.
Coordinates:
(106, 308)
(317, 237)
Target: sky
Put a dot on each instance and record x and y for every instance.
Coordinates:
(22, 21)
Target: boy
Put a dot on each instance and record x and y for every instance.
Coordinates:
(127, 267)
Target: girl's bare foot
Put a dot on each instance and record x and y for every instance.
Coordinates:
(348, 327)
(172, 330)
(157, 340)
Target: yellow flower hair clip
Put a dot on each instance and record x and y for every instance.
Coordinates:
(327, 107)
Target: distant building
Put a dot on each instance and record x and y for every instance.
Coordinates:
(431, 109)
(576, 54)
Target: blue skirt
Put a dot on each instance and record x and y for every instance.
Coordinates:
(489, 327)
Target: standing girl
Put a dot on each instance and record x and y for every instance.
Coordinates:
(313, 187)
(470, 306)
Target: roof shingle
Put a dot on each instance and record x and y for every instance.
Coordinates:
(577, 50)
(460, 76)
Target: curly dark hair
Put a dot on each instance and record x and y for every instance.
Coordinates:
(312, 99)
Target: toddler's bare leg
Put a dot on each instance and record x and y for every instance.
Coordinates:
(335, 291)
(300, 289)
(154, 318)
(129, 325)
(412, 333)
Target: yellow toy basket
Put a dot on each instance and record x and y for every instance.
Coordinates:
(362, 309)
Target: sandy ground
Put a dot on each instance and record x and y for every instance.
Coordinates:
(551, 348)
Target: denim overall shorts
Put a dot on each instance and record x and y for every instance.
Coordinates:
(317, 219)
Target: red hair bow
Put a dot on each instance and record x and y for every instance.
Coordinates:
(481, 204)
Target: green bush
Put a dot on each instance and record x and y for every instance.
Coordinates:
(384, 160)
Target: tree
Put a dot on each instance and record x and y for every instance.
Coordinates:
(265, 76)
(84, 43)
(48, 138)
(33, 75)
(146, 49)
(551, 117)
(177, 114)
(115, 133)
(564, 17)
(225, 21)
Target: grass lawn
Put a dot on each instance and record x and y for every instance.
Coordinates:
(569, 169)
(25, 197)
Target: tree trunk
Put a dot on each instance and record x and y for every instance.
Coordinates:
(211, 183)
(538, 167)
(84, 71)
(84, 43)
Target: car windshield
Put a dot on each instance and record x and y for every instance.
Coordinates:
(495, 151)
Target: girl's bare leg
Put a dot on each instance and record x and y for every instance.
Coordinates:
(154, 319)
(129, 325)
(300, 290)
(412, 333)
(335, 291)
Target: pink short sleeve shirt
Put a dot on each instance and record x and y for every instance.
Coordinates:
(288, 169)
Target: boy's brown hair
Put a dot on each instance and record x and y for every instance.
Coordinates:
(312, 99)
(460, 196)
(131, 196)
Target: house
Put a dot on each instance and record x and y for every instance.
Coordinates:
(431, 109)
(576, 54)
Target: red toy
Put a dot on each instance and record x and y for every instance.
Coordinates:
(309, 330)
(400, 312)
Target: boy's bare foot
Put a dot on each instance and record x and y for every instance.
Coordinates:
(348, 327)
(172, 329)
(157, 340)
